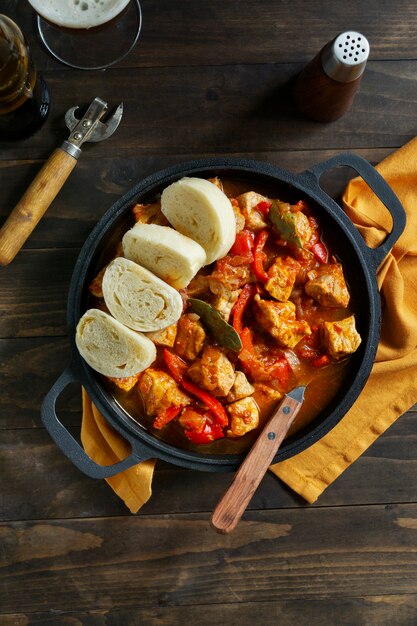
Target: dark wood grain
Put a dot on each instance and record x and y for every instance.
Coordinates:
(103, 181)
(34, 293)
(29, 457)
(33, 364)
(205, 79)
(195, 33)
(385, 610)
(34, 289)
(271, 556)
(229, 108)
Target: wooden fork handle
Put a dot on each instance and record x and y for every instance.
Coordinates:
(232, 505)
(34, 203)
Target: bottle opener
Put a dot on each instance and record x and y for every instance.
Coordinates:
(48, 182)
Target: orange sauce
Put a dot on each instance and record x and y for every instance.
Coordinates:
(322, 383)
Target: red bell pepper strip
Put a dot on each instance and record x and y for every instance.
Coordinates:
(263, 207)
(175, 364)
(320, 361)
(278, 370)
(246, 296)
(247, 355)
(166, 416)
(192, 418)
(243, 243)
(252, 364)
(247, 359)
(299, 206)
(259, 257)
(246, 337)
(210, 401)
(310, 347)
(320, 252)
(209, 432)
(178, 368)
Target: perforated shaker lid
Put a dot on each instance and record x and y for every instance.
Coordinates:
(344, 59)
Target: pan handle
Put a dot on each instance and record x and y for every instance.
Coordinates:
(381, 189)
(70, 447)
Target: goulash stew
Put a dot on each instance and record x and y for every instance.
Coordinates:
(274, 313)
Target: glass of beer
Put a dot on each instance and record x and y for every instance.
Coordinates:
(24, 97)
(88, 34)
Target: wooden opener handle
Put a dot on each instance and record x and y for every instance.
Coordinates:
(232, 505)
(34, 203)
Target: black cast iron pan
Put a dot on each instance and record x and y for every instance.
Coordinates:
(359, 261)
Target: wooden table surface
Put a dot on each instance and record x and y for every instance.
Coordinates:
(206, 78)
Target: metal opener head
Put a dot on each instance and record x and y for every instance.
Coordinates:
(90, 127)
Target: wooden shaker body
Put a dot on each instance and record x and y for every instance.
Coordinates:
(321, 98)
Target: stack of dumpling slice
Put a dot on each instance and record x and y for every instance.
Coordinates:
(140, 289)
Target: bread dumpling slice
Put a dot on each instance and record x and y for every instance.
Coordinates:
(138, 298)
(167, 253)
(199, 209)
(110, 348)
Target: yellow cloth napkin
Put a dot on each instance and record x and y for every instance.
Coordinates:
(391, 388)
(106, 447)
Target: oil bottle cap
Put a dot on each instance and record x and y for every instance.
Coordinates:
(344, 59)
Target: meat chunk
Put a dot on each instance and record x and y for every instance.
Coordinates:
(126, 384)
(190, 336)
(293, 225)
(247, 204)
(213, 371)
(282, 275)
(303, 228)
(278, 319)
(216, 181)
(307, 263)
(96, 285)
(198, 286)
(341, 338)
(239, 217)
(244, 416)
(160, 391)
(191, 419)
(231, 273)
(224, 303)
(164, 337)
(267, 393)
(149, 213)
(241, 388)
(327, 285)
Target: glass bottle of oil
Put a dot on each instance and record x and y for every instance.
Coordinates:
(24, 97)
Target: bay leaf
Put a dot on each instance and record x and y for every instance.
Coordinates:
(224, 333)
(282, 218)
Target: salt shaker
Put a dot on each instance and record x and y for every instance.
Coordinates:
(326, 88)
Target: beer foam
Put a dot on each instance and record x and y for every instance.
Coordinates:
(79, 13)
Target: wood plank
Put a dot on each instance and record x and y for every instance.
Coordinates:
(33, 364)
(217, 109)
(193, 33)
(34, 287)
(205, 78)
(34, 293)
(388, 610)
(385, 473)
(178, 560)
(97, 183)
